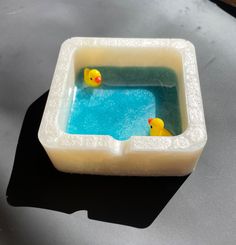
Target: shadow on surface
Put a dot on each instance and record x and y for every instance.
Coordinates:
(133, 201)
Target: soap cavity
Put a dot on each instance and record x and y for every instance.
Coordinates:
(121, 106)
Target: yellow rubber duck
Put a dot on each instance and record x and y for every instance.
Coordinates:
(92, 77)
(157, 127)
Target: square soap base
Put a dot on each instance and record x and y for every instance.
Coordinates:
(139, 155)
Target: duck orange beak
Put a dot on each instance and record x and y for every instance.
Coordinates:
(98, 79)
(149, 120)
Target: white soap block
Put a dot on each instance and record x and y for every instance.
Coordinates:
(139, 155)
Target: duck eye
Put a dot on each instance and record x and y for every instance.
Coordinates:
(151, 126)
(91, 78)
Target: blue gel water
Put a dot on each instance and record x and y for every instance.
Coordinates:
(123, 111)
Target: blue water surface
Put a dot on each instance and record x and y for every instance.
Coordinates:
(123, 111)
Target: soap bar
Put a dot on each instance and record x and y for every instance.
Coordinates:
(137, 155)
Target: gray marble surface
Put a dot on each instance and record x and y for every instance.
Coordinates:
(203, 211)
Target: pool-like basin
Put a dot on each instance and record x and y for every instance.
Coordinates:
(105, 130)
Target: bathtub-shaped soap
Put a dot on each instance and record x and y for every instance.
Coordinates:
(139, 155)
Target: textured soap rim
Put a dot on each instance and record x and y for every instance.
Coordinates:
(193, 138)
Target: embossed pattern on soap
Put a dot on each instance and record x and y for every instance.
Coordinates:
(124, 102)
